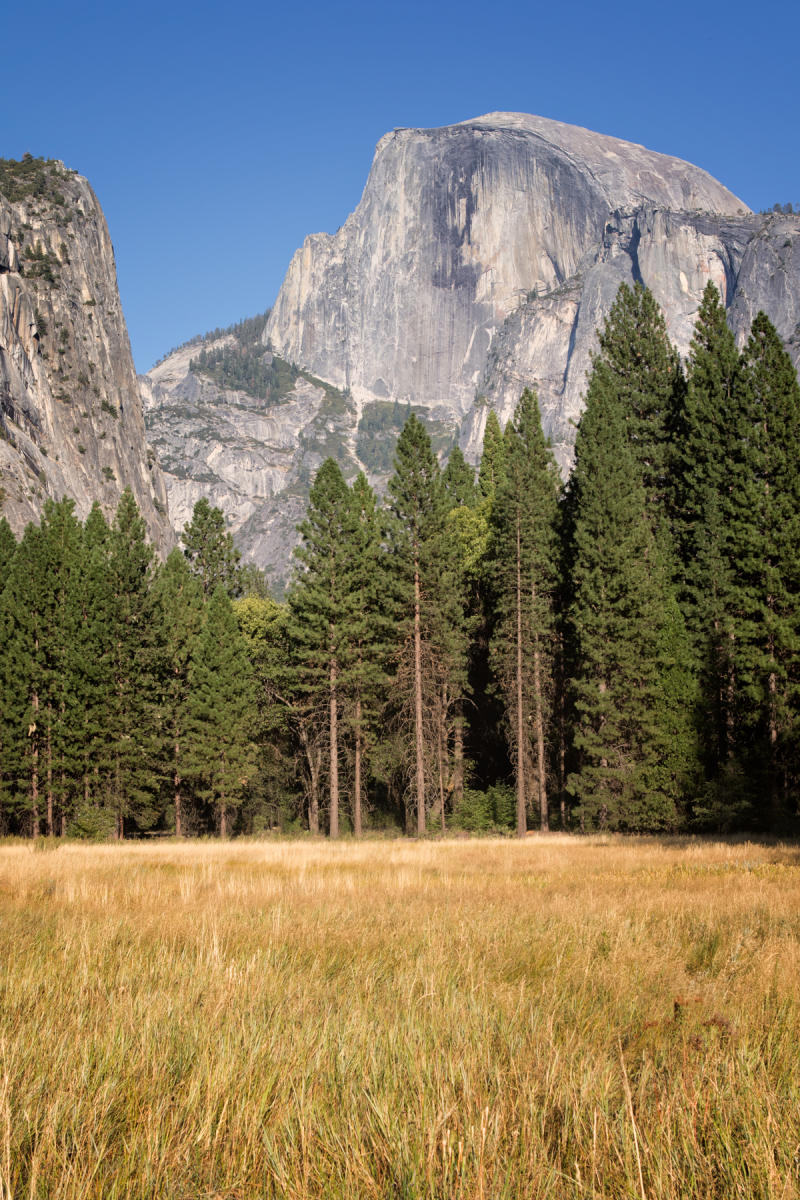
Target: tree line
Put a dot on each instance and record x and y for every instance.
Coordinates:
(479, 650)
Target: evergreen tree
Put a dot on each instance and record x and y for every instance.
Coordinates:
(319, 602)
(219, 753)
(178, 605)
(645, 371)
(704, 445)
(94, 815)
(415, 500)
(627, 770)
(210, 550)
(271, 800)
(368, 633)
(60, 692)
(40, 617)
(8, 547)
(491, 456)
(23, 681)
(764, 555)
(523, 561)
(129, 737)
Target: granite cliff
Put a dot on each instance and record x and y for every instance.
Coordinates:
(71, 420)
(481, 259)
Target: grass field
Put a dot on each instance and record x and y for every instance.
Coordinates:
(487, 1019)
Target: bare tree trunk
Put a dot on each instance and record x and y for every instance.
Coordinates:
(334, 754)
(458, 759)
(32, 732)
(541, 767)
(312, 758)
(176, 779)
(440, 756)
(49, 757)
(357, 773)
(522, 822)
(420, 749)
(223, 819)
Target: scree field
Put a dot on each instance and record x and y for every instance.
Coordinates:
(550, 1018)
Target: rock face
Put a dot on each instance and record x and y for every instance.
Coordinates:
(256, 458)
(71, 421)
(480, 260)
(483, 256)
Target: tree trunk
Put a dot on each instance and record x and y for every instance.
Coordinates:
(357, 773)
(313, 773)
(440, 756)
(334, 754)
(522, 822)
(420, 749)
(49, 757)
(223, 819)
(176, 779)
(458, 759)
(33, 733)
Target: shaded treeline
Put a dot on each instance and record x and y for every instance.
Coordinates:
(476, 652)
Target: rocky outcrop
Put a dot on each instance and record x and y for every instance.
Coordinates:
(71, 421)
(483, 256)
(481, 259)
(252, 458)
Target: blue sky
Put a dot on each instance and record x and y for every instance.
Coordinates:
(217, 137)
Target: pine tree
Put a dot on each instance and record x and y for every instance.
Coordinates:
(127, 755)
(705, 440)
(416, 507)
(95, 815)
(210, 550)
(8, 547)
(491, 456)
(272, 799)
(40, 618)
(24, 670)
(523, 560)
(764, 556)
(645, 371)
(368, 632)
(178, 606)
(60, 694)
(319, 602)
(620, 633)
(220, 754)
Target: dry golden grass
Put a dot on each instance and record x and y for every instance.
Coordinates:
(487, 1019)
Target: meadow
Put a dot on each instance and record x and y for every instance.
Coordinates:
(557, 1017)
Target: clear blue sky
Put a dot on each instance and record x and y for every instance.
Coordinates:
(217, 136)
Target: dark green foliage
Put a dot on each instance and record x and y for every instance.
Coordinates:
(31, 177)
(128, 748)
(220, 753)
(210, 551)
(644, 369)
(764, 554)
(178, 607)
(380, 425)
(523, 563)
(245, 364)
(272, 797)
(8, 547)
(491, 811)
(492, 456)
(625, 634)
(704, 443)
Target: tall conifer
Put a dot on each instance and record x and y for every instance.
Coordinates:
(523, 556)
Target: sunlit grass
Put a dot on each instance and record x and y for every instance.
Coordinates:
(576, 1018)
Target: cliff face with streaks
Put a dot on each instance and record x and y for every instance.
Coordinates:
(482, 257)
(480, 260)
(71, 420)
